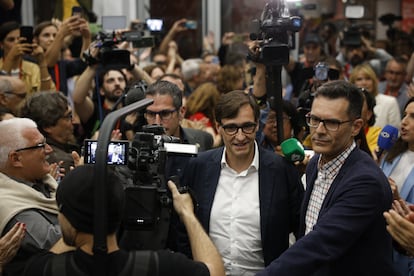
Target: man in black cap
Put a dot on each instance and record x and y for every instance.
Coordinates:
(75, 199)
(312, 53)
(358, 49)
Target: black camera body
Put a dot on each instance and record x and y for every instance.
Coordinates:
(352, 37)
(110, 56)
(148, 201)
(275, 30)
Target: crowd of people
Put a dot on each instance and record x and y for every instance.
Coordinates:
(345, 209)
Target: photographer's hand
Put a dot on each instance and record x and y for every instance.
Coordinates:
(183, 204)
(202, 248)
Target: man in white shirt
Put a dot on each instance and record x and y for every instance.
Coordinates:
(249, 198)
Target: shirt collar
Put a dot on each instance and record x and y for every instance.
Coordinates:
(335, 164)
(253, 165)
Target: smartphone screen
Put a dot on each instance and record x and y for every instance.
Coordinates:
(27, 32)
(191, 24)
(117, 152)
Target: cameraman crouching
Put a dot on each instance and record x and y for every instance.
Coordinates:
(75, 200)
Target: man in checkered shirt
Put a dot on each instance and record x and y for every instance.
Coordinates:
(342, 228)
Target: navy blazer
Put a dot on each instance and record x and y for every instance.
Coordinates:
(280, 193)
(349, 237)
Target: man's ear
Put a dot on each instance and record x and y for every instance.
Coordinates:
(356, 127)
(14, 159)
(181, 112)
(3, 99)
(48, 130)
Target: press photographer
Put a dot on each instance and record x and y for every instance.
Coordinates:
(75, 196)
(107, 64)
(359, 49)
(273, 36)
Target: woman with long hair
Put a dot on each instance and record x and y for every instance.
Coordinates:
(398, 166)
(200, 107)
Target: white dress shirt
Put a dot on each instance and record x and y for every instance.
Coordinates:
(235, 219)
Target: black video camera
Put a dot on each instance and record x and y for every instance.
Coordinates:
(148, 201)
(109, 55)
(352, 37)
(275, 29)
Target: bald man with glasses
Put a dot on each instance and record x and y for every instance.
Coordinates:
(27, 189)
(249, 198)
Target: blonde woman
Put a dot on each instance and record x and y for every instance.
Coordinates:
(386, 110)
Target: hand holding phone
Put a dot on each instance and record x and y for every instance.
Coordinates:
(26, 32)
(191, 24)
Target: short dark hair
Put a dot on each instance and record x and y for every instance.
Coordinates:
(103, 72)
(166, 88)
(229, 104)
(7, 27)
(343, 89)
(45, 108)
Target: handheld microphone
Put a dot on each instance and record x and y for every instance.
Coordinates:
(387, 138)
(293, 150)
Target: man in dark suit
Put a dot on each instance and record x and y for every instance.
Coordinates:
(249, 198)
(342, 228)
(167, 111)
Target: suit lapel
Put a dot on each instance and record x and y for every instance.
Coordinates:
(213, 167)
(266, 184)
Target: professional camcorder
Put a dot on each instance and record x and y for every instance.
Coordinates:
(112, 57)
(148, 201)
(275, 30)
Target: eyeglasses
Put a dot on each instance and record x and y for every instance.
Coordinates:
(392, 72)
(329, 124)
(165, 114)
(20, 95)
(232, 129)
(272, 119)
(38, 146)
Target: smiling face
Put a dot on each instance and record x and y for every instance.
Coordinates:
(362, 80)
(331, 143)
(34, 161)
(239, 146)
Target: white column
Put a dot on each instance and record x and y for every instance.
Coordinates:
(213, 16)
